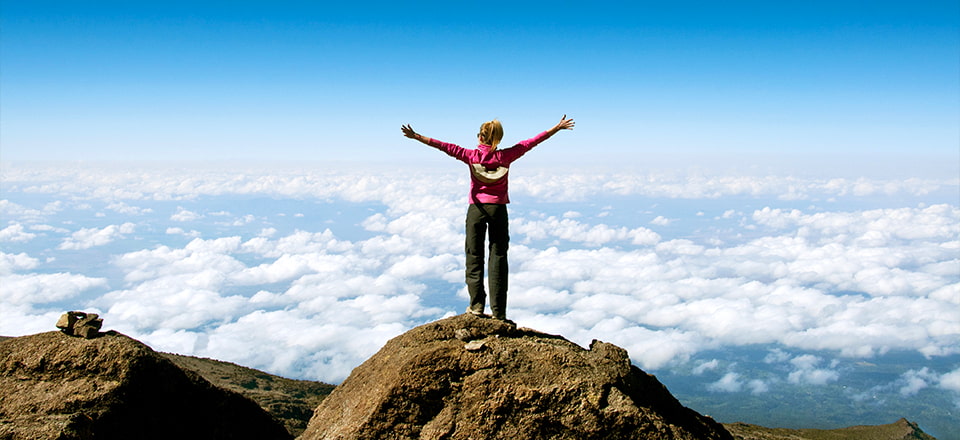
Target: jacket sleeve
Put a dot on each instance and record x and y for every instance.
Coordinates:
(453, 150)
(513, 153)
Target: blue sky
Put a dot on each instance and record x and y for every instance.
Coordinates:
(317, 81)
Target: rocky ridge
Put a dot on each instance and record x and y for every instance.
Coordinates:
(467, 377)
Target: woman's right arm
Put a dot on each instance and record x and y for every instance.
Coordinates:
(408, 132)
(455, 151)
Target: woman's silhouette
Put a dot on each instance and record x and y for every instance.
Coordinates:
(487, 214)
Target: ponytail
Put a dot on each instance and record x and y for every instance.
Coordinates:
(491, 133)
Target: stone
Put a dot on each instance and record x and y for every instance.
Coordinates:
(474, 345)
(463, 334)
(66, 321)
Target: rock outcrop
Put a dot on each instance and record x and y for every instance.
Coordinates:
(55, 386)
(468, 377)
(902, 429)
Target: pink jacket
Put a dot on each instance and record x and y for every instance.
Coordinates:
(489, 168)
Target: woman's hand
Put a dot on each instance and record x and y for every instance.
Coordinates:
(564, 124)
(408, 132)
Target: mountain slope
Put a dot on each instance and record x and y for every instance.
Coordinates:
(290, 401)
(899, 430)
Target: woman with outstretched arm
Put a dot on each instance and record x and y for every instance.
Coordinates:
(487, 212)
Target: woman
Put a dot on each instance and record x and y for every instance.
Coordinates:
(487, 213)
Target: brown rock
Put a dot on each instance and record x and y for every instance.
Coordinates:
(84, 325)
(522, 385)
(66, 321)
(53, 386)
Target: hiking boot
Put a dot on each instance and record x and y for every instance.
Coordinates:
(476, 311)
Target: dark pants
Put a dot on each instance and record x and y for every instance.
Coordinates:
(480, 219)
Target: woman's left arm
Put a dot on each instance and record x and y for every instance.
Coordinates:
(513, 153)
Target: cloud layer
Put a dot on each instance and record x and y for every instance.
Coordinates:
(190, 262)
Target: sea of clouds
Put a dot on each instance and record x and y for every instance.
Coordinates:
(305, 271)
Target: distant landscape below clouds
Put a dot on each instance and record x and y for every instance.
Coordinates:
(768, 287)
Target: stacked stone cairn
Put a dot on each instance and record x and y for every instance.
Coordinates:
(81, 324)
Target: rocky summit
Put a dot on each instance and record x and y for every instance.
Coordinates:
(57, 386)
(469, 377)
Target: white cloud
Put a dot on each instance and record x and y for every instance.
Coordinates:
(184, 215)
(48, 228)
(698, 185)
(729, 383)
(660, 221)
(300, 242)
(808, 373)
(32, 289)
(240, 221)
(916, 380)
(285, 268)
(706, 366)
(202, 260)
(10, 263)
(171, 303)
(951, 381)
(776, 356)
(570, 230)
(680, 246)
(417, 266)
(87, 238)
(15, 233)
(181, 231)
(644, 237)
(126, 209)
(11, 210)
(365, 183)
(420, 230)
(758, 386)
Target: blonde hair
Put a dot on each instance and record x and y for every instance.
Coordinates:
(491, 132)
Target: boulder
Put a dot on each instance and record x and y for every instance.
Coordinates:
(55, 386)
(469, 377)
